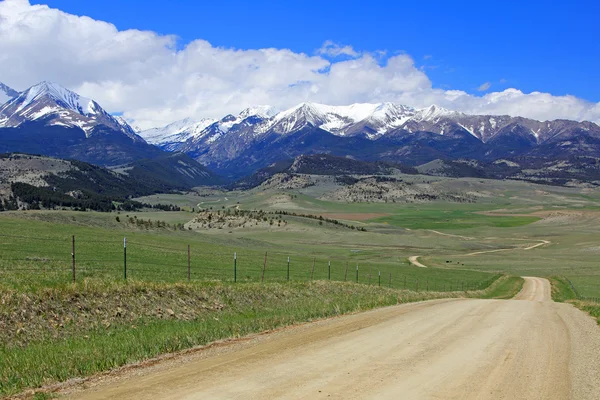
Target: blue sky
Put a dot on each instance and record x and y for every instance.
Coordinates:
(156, 62)
(545, 46)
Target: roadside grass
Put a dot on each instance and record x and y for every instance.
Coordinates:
(101, 336)
(563, 291)
(505, 288)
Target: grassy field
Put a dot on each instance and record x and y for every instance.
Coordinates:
(461, 242)
(35, 253)
(460, 217)
(514, 228)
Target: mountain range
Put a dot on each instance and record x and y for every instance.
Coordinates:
(51, 120)
(239, 145)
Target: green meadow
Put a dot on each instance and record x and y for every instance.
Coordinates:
(155, 297)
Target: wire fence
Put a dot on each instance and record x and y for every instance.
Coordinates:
(578, 296)
(73, 259)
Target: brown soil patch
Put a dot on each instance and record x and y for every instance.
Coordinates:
(540, 214)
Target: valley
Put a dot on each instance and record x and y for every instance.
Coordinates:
(231, 200)
(473, 249)
(143, 250)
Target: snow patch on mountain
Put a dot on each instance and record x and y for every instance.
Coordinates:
(7, 93)
(39, 114)
(178, 131)
(470, 130)
(260, 111)
(433, 113)
(388, 116)
(334, 119)
(64, 97)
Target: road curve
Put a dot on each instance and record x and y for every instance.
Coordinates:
(535, 289)
(414, 260)
(531, 348)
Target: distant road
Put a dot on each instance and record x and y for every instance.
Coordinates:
(414, 260)
(530, 349)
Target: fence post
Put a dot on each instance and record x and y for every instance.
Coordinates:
(312, 273)
(73, 256)
(189, 265)
(235, 266)
(346, 273)
(288, 269)
(379, 278)
(125, 258)
(329, 270)
(356, 273)
(264, 267)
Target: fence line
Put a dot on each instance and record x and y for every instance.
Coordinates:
(579, 296)
(183, 264)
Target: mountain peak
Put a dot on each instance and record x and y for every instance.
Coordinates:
(434, 112)
(262, 111)
(53, 104)
(228, 118)
(176, 132)
(7, 93)
(61, 95)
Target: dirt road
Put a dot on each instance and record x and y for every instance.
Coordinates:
(447, 349)
(414, 260)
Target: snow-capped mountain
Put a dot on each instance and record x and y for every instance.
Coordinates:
(490, 128)
(55, 105)
(229, 136)
(7, 93)
(385, 131)
(384, 118)
(51, 120)
(176, 132)
(190, 129)
(371, 120)
(259, 111)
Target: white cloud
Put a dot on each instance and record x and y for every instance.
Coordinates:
(145, 76)
(484, 86)
(332, 49)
